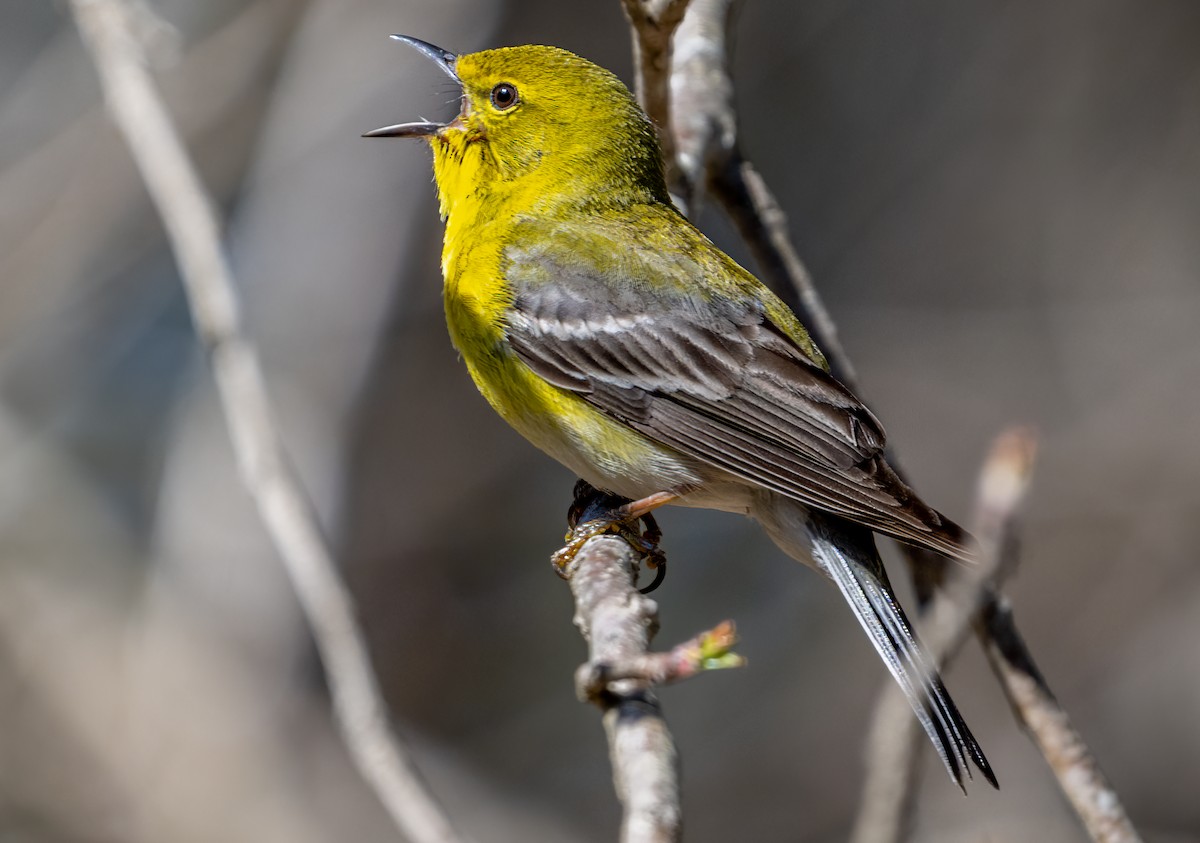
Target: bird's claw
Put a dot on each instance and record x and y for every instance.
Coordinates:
(595, 513)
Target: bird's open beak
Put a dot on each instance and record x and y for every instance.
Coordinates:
(424, 128)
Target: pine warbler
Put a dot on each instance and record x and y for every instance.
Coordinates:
(617, 338)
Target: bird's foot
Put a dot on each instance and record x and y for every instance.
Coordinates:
(595, 513)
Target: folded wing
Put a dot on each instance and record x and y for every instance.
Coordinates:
(720, 382)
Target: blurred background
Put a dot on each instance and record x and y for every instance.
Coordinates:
(1000, 202)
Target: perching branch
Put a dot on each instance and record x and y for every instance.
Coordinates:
(194, 232)
(706, 141)
(618, 623)
(894, 741)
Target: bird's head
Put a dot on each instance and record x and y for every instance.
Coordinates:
(539, 125)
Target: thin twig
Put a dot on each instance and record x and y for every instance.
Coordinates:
(697, 85)
(709, 650)
(703, 117)
(1080, 777)
(888, 795)
(194, 231)
(653, 23)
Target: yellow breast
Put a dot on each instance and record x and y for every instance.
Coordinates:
(480, 209)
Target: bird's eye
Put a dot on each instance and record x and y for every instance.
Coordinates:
(504, 96)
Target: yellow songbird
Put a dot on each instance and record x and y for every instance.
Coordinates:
(612, 334)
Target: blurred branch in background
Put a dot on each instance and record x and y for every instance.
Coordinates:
(973, 597)
(194, 232)
(894, 741)
(63, 225)
(1084, 783)
(707, 141)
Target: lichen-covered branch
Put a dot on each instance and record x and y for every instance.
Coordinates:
(194, 232)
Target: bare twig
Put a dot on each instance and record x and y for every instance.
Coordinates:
(700, 87)
(895, 738)
(618, 623)
(194, 232)
(703, 117)
(707, 651)
(653, 23)
(1078, 774)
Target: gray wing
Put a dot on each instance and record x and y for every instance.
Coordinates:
(723, 385)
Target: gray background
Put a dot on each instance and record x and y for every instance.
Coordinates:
(999, 201)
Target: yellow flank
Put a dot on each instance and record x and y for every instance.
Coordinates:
(595, 447)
